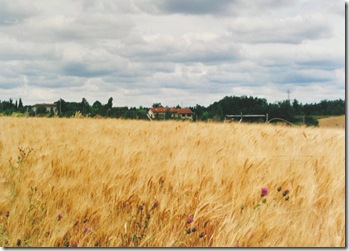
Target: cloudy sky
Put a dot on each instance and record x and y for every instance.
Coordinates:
(171, 51)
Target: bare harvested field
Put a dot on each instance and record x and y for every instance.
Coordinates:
(106, 182)
(333, 122)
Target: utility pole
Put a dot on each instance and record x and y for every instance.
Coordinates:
(288, 94)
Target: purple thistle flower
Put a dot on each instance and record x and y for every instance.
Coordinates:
(86, 229)
(264, 191)
(60, 216)
(190, 219)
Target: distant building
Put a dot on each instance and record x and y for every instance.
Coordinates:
(184, 113)
(160, 112)
(49, 107)
(157, 112)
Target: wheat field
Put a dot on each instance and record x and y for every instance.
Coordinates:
(83, 182)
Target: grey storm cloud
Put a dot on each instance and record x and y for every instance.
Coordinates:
(82, 70)
(208, 52)
(15, 11)
(9, 85)
(325, 64)
(208, 7)
(195, 6)
(302, 79)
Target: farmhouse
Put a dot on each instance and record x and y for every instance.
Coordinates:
(184, 113)
(49, 107)
(160, 113)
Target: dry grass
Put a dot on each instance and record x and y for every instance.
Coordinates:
(105, 177)
(333, 122)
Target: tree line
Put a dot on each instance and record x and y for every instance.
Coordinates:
(69, 109)
(292, 111)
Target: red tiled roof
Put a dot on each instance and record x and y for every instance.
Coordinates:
(184, 111)
(173, 110)
(158, 109)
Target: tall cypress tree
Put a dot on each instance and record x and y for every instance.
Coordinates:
(20, 104)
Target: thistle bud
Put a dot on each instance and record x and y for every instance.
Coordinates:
(156, 203)
(285, 192)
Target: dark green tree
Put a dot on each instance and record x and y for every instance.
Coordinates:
(157, 105)
(297, 107)
(61, 107)
(168, 114)
(8, 107)
(110, 103)
(107, 108)
(41, 110)
(85, 107)
(96, 108)
(20, 104)
(199, 111)
(205, 116)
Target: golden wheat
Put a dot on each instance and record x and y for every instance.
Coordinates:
(106, 182)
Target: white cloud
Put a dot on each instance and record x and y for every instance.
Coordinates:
(279, 30)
